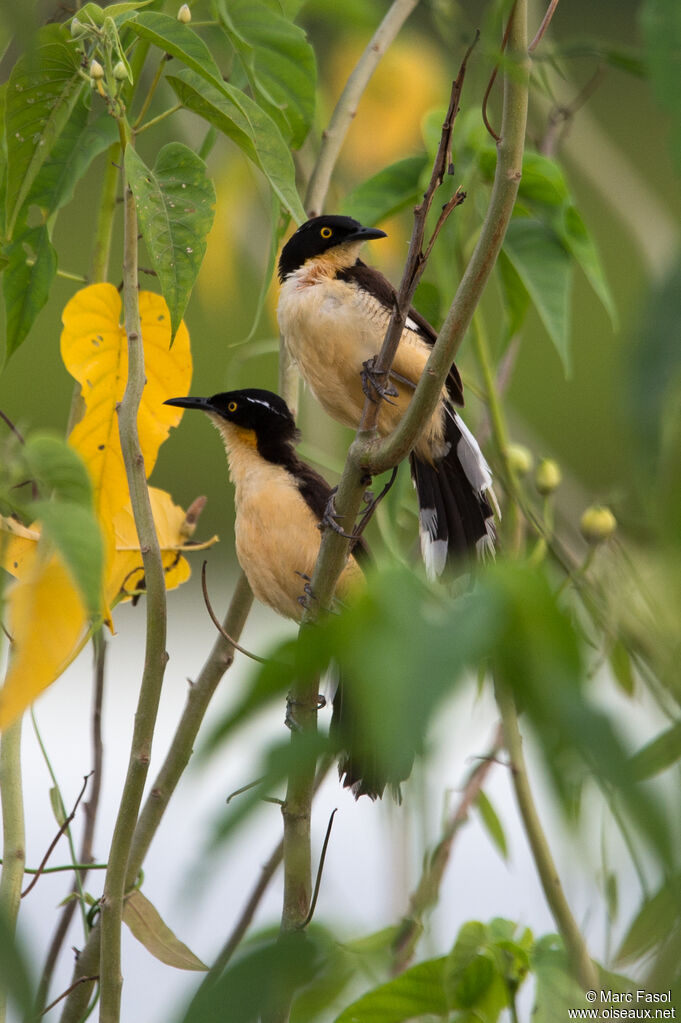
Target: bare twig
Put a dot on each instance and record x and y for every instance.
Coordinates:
(53, 843)
(12, 427)
(81, 980)
(560, 117)
(346, 107)
(320, 871)
(546, 21)
(493, 78)
(427, 890)
(216, 622)
(90, 811)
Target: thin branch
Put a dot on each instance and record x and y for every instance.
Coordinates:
(156, 625)
(90, 810)
(493, 78)
(12, 427)
(346, 107)
(81, 980)
(320, 872)
(582, 967)
(546, 21)
(13, 833)
(427, 890)
(216, 622)
(53, 843)
(199, 696)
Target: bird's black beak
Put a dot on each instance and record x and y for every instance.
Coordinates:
(365, 234)
(203, 404)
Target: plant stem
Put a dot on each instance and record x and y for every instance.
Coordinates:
(219, 660)
(100, 253)
(90, 808)
(582, 967)
(159, 117)
(346, 107)
(427, 890)
(155, 651)
(13, 833)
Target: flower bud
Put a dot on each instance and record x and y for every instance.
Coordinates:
(96, 71)
(520, 459)
(120, 72)
(597, 524)
(184, 14)
(77, 28)
(548, 476)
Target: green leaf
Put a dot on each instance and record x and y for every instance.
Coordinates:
(75, 532)
(145, 923)
(545, 269)
(179, 40)
(416, 992)
(659, 754)
(579, 243)
(42, 91)
(655, 921)
(278, 60)
(386, 193)
(26, 283)
(516, 299)
(72, 154)
(258, 983)
(471, 984)
(622, 669)
(57, 805)
(661, 25)
(542, 180)
(99, 14)
(58, 470)
(15, 977)
(254, 131)
(556, 993)
(175, 207)
(492, 824)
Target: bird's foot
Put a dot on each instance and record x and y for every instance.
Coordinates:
(375, 385)
(330, 517)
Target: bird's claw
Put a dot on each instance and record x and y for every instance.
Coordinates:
(330, 518)
(373, 387)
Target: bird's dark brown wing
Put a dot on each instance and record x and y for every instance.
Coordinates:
(379, 287)
(316, 493)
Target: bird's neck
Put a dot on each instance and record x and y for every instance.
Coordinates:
(327, 265)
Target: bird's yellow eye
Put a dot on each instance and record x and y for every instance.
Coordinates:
(326, 232)
(232, 407)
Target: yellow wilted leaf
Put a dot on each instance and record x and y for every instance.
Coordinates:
(47, 621)
(172, 536)
(94, 350)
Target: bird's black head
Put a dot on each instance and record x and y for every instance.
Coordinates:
(319, 235)
(254, 409)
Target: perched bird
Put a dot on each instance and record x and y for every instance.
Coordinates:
(333, 313)
(280, 502)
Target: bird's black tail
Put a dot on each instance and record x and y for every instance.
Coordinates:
(368, 761)
(456, 501)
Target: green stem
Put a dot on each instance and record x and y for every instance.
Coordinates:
(13, 833)
(63, 811)
(582, 967)
(498, 423)
(157, 120)
(150, 94)
(198, 699)
(155, 650)
(100, 253)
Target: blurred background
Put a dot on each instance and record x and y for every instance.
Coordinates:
(615, 152)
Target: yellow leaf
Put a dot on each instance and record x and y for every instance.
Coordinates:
(47, 621)
(94, 350)
(18, 546)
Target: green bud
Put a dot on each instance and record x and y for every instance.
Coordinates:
(548, 476)
(520, 459)
(184, 14)
(96, 71)
(120, 72)
(597, 524)
(77, 28)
